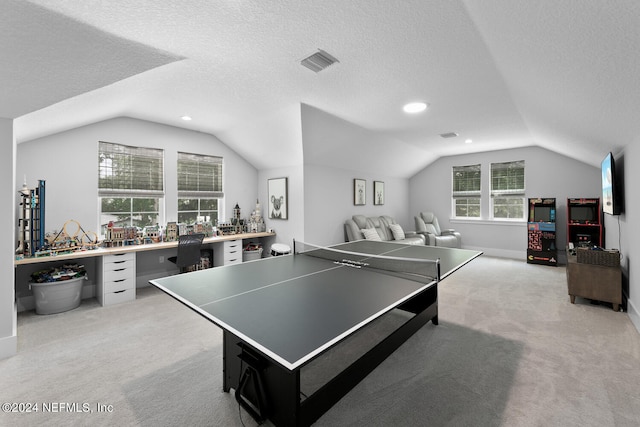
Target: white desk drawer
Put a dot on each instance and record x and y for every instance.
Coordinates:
(119, 265)
(119, 274)
(119, 259)
(116, 281)
(235, 260)
(232, 245)
(232, 252)
(118, 297)
(119, 285)
(232, 255)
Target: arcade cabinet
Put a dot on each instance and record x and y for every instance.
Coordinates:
(541, 230)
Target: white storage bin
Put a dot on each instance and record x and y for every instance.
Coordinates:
(56, 297)
(251, 255)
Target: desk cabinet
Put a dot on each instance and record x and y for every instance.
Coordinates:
(596, 282)
(232, 252)
(116, 278)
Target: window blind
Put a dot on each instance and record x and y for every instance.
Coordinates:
(466, 181)
(125, 171)
(507, 179)
(199, 176)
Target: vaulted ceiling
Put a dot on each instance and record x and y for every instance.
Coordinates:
(503, 73)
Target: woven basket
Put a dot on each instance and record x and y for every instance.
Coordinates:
(608, 258)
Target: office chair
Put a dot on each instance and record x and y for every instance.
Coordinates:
(188, 251)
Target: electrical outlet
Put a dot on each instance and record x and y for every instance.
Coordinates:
(161, 259)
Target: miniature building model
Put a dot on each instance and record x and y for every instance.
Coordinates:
(256, 223)
(31, 223)
(152, 234)
(120, 236)
(171, 232)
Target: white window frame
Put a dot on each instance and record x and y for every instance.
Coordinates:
(192, 184)
(511, 191)
(466, 193)
(142, 183)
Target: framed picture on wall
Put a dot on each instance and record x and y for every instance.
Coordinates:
(378, 193)
(359, 192)
(278, 198)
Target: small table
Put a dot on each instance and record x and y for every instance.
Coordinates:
(595, 282)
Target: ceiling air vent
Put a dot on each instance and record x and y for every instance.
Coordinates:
(318, 61)
(449, 135)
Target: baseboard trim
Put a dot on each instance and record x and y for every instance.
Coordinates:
(89, 289)
(9, 345)
(634, 314)
(517, 255)
(500, 253)
(29, 302)
(142, 281)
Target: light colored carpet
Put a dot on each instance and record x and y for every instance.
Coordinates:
(510, 350)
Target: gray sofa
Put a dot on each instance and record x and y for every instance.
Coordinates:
(427, 225)
(354, 229)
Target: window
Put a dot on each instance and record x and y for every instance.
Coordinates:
(130, 185)
(199, 187)
(507, 190)
(466, 191)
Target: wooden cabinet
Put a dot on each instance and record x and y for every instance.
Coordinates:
(595, 282)
(116, 278)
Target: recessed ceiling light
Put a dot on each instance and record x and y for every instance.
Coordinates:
(186, 118)
(468, 141)
(414, 107)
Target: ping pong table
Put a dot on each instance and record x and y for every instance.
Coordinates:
(281, 313)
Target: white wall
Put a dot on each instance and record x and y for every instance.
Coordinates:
(547, 174)
(333, 158)
(286, 229)
(8, 336)
(68, 162)
(329, 201)
(292, 228)
(622, 231)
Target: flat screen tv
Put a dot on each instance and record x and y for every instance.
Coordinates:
(610, 196)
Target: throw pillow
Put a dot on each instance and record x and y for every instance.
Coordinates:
(397, 231)
(371, 234)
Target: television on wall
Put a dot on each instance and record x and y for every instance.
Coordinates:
(610, 196)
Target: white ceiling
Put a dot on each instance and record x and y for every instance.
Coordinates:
(505, 73)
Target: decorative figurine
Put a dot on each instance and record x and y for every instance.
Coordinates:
(171, 232)
(256, 223)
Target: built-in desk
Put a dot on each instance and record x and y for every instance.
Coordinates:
(115, 268)
(136, 248)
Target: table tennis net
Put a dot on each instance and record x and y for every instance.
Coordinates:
(426, 270)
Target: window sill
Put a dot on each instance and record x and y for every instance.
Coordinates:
(501, 222)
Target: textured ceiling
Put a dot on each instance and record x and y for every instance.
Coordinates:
(505, 73)
(48, 57)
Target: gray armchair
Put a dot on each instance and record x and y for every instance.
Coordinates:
(427, 224)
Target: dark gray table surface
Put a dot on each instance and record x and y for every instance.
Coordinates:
(294, 307)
